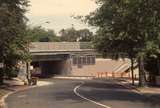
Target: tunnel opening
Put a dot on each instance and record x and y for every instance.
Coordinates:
(49, 68)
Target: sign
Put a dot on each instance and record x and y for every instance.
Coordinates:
(1, 65)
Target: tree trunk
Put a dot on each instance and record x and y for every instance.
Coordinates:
(28, 73)
(132, 70)
(1, 76)
(142, 81)
(158, 65)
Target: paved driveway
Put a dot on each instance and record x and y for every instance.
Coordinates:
(79, 94)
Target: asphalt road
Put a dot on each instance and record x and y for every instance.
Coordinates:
(79, 94)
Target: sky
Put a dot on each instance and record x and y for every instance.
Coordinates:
(58, 13)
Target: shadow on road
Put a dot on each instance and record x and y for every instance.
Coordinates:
(113, 92)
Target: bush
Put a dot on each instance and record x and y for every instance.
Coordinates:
(11, 72)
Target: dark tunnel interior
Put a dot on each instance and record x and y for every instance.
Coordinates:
(48, 68)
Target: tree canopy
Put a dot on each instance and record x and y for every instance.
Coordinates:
(73, 35)
(127, 26)
(39, 34)
(13, 40)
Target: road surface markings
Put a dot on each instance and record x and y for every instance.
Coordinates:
(92, 101)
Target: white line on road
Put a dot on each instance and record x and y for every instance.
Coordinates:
(78, 94)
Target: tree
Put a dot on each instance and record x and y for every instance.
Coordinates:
(115, 48)
(39, 34)
(85, 35)
(127, 26)
(152, 64)
(69, 35)
(73, 35)
(13, 43)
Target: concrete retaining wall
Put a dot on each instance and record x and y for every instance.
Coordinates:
(101, 66)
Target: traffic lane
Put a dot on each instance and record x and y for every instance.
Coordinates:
(58, 95)
(115, 95)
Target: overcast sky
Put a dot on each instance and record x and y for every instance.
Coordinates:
(59, 12)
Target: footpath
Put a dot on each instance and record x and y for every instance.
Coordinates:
(9, 87)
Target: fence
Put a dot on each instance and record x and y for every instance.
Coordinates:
(113, 75)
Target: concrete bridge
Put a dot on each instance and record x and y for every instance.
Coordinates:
(59, 57)
(73, 59)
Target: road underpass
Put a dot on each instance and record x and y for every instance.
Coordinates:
(48, 66)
